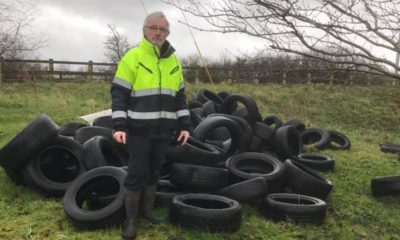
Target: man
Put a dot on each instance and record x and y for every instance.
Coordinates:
(148, 107)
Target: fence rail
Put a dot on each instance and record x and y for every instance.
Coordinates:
(51, 70)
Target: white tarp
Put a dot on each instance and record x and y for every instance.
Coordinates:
(91, 117)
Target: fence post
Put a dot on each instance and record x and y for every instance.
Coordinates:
(51, 69)
(284, 78)
(1, 69)
(331, 79)
(309, 78)
(196, 76)
(90, 70)
(230, 76)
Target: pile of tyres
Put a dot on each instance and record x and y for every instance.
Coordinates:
(233, 156)
(386, 185)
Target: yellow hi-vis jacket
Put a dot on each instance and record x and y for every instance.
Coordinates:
(147, 92)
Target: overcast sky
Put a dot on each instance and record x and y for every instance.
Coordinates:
(77, 29)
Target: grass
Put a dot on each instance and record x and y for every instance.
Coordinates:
(368, 115)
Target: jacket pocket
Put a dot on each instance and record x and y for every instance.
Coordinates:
(174, 70)
(146, 68)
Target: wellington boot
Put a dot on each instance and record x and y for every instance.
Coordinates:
(131, 202)
(147, 203)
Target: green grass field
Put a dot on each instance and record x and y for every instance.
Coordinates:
(367, 115)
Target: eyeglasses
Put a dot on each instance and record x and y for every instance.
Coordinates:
(154, 29)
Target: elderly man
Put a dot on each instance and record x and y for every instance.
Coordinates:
(148, 108)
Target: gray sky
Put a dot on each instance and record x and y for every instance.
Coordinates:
(78, 28)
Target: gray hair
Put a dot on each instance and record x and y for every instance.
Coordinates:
(155, 15)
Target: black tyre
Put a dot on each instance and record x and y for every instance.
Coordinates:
(246, 190)
(316, 161)
(37, 134)
(196, 116)
(209, 108)
(55, 167)
(194, 104)
(205, 95)
(253, 115)
(297, 124)
(386, 185)
(250, 165)
(69, 129)
(85, 133)
(99, 151)
(104, 181)
(210, 123)
(315, 138)
(194, 152)
(339, 141)
(273, 121)
(197, 177)
(389, 147)
(198, 111)
(263, 131)
(96, 201)
(303, 180)
(206, 212)
(243, 124)
(256, 144)
(103, 121)
(223, 95)
(242, 113)
(221, 146)
(298, 208)
(219, 134)
(287, 143)
(15, 175)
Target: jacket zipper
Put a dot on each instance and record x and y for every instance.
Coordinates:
(159, 76)
(159, 71)
(159, 88)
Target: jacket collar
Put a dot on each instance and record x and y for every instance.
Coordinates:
(166, 49)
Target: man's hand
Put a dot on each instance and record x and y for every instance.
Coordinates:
(183, 136)
(120, 137)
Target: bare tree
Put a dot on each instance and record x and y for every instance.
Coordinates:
(358, 34)
(116, 44)
(192, 60)
(16, 36)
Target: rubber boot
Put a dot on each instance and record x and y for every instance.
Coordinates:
(147, 203)
(131, 202)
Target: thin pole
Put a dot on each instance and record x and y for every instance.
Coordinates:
(198, 50)
(397, 56)
(144, 7)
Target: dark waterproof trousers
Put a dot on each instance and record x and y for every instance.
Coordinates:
(145, 158)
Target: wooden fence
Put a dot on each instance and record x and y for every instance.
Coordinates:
(49, 70)
(19, 70)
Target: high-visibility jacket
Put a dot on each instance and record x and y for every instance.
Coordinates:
(147, 92)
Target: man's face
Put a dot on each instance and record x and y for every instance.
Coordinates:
(156, 31)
